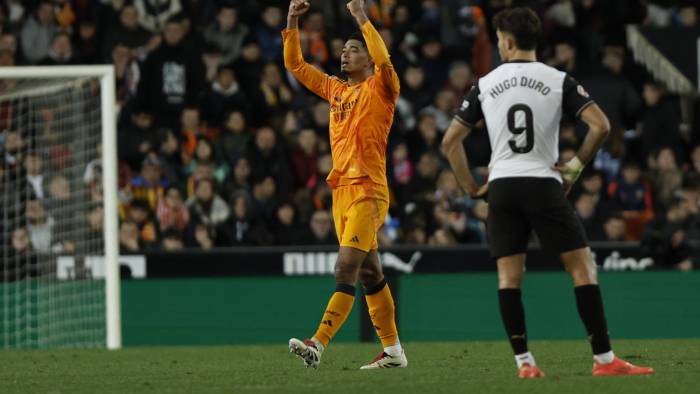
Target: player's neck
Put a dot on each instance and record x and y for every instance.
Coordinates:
(519, 55)
(358, 78)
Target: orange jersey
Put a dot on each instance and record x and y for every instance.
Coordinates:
(360, 115)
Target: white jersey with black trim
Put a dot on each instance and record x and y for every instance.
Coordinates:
(522, 103)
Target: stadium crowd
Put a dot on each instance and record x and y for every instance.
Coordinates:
(219, 146)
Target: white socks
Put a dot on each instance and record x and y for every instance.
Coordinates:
(525, 358)
(604, 358)
(394, 350)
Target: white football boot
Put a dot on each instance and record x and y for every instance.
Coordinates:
(384, 360)
(308, 350)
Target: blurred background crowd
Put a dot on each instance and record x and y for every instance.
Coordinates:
(219, 146)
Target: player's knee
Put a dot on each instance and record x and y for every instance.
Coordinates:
(345, 271)
(584, 273)
(509, 280)
(369, 277)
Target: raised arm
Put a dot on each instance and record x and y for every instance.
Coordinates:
(311, 77)
(383, 69)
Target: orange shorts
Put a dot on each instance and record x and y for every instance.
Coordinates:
(358, 212)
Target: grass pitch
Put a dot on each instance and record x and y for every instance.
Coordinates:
(448, 367)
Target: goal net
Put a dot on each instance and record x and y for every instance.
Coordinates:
(58, 220)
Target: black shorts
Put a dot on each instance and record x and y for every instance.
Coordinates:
(519, 205)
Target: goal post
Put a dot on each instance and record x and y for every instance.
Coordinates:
(38, 309)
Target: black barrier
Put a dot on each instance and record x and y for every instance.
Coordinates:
(314, 260)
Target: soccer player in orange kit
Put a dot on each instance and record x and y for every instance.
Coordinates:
(361, 113)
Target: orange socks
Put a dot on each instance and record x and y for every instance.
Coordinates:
(337, 311)
(381, 310)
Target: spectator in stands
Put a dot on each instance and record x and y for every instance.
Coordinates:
(191, 131)
(321, 227)
(13, 149)
(205, 153)
(586, 209)
(227, 33)
(426, 137)
(433, 61)
(57, 201)
(267, 158)
(207, 211)
(38, 32)
(212, 60)
(204, 170)
(172, 76)
(694, 165)
(172, 212)
(224, 96)
(94, 218)
(665, 239)
(401, 170)
(249, 64)
(154, 15)
(129, 240)
(139, 212)
(240, 177)
(35, 175)
(272, 98)
(614, 228)
(319, 117)
(234, 137)
(423, 183)
(313, 38)
(268, 33)
(8, 43)
(286, 228)
(126, 72)
(41, 227)
(660, 123)
(127, 32)
(441, 109)
(630, 192)
(136, 139)
(304, 159)
(169, 156)
(415, 89)
(172, 241)
(687, 14)
(21, 258)
(565, 58)
(442, 237)
(87, 43)
(247, 228)
(666, 178)
(150, 184)
(264, 198)
(613, 92)
(459, 81)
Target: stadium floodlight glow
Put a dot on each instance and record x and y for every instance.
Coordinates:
(60, 271)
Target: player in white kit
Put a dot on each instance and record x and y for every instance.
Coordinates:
(522, 102)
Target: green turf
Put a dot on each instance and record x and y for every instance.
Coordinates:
(459, 367)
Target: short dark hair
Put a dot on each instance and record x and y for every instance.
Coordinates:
(522, 23)
(359, 37)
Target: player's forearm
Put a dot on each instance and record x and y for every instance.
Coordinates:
(458, 161)
(292, 22)
(291, 50)
(591, 143)
(375, 43)
(598, 130)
